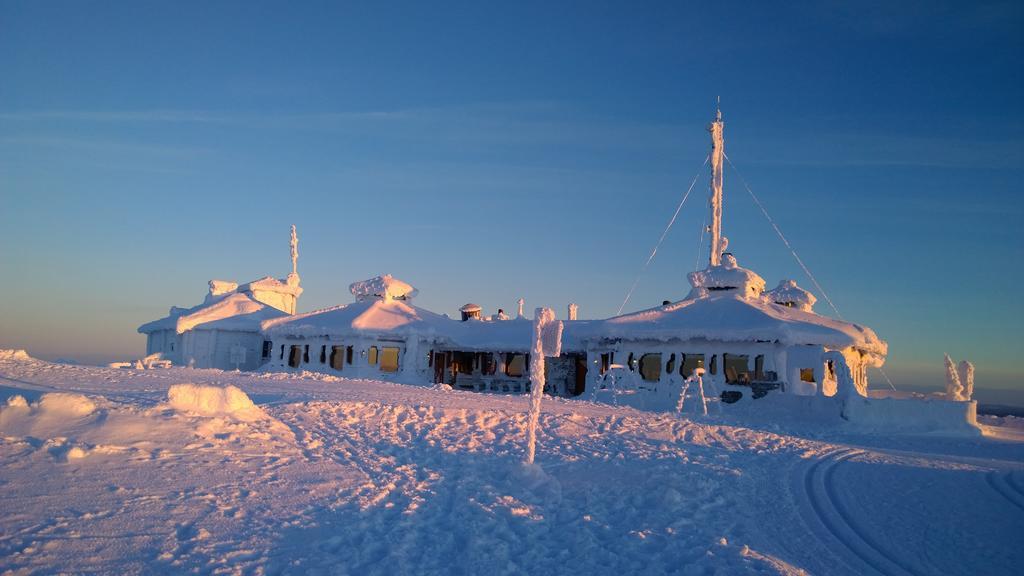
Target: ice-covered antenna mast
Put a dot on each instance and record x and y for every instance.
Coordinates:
(717, 166)
(295, 251)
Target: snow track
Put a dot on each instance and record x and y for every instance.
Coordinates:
(1005, 485)
(825, 509)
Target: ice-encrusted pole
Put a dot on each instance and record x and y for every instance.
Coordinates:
(547, 341)
(717, 154)
(966, 372)
(954, 388)
(294, 244)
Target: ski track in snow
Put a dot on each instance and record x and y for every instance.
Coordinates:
(360, 477)
(820, 491)
(1004, 484)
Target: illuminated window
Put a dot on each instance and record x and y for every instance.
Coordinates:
(606, 361)
(515, 365)
(373, 355)
(337, 357)
(807, 374)
(690, 363)
(737, 368)
(650, 367)
(389, 359)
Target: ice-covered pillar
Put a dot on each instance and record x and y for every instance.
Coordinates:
(717, 156)
(954, 388)
(573, 310)
(547, 341)
(294, 244)
(521, 303)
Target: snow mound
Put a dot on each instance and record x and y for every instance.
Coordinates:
(12, 354)
(385, 287)
(65, 404)
(213, 401)
(17, 401)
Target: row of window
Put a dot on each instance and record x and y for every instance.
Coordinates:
(736, 366)
(485, 363)
(340, 355)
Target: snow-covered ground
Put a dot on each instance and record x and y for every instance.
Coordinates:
(139, 471)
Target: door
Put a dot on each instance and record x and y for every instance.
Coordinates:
(439, 367)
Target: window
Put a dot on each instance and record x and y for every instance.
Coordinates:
(631, 362)
(670, 367)
(515, 365)
(305, 355)
(337, 356)
(606, 361)
(737, 368)
(323, 354)
(389, 359)
(348, 355)
(268, 348)
(690, 363)
(266, 356)
(487, 364)
(759, 367)
(650, 367)
(807, 374)
(294, 356)
(713, 366)
(281, 357)
(373, 355)
(462, 362)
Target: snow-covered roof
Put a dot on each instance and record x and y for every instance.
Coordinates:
(375, 316)
(271, 284)
(470, 308)
(730, 317)
(235, 311)
(788, 293)
(383, 318)
(729, 276)
(385, 287)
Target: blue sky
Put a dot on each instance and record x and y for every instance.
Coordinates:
(484, 152)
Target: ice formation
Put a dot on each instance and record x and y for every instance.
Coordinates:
(547, 341)
(954, 388)
(728, 276)
(384, 287)
(965, 371)
(787, 293)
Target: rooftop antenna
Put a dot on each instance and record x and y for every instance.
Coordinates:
(295, 251)
(717, 166)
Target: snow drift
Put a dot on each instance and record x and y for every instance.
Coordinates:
(213, 401)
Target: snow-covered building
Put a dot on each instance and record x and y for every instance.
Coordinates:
(743, 339)
(383, 335)
(225, 330)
